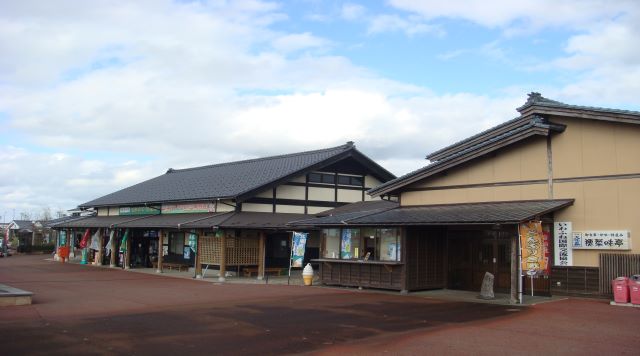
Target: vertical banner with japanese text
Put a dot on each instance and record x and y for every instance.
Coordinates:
(532, 247)
(563, 252)
(298, 248)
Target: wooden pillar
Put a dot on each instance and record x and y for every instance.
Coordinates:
(198, 263)
(223, 257)
(514, 269)
(160, 251)
(98, 261)
(404, 284)
(261, 255)
(127, 253)
(114, 250)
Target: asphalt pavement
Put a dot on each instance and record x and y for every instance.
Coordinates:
(89, 310)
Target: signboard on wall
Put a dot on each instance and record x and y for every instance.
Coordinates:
(188, 208)
(562, 248)
(138, 210)
(532, 247)
(601, 240)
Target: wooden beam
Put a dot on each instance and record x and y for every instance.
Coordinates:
(261, 256)
(160, 251)
(223, 257)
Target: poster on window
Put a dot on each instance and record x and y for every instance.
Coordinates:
(298, 248)
(345, 250)
(532, 247)
(562, 248)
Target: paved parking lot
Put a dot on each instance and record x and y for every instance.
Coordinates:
(89, 310)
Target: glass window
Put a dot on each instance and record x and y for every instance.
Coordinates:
(388, 245)
(350, 244)
(369, 244)
(344, 180)
(328, 178)
(356, 181)
(331, 243)
(176, 243)
(315, 178)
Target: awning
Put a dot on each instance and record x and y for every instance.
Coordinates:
(98, 221)
(175, 221)
(252, 220)
(511, 212)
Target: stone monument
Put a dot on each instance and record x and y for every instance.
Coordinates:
(486, 292)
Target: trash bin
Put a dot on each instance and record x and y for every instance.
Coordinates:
(634, 289)
(620, 288)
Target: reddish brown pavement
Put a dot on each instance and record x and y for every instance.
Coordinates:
(89, 310)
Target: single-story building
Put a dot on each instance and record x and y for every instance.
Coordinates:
(231, 216)
(550, 197)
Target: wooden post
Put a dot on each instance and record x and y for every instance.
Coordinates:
(198, 263)
(404, 284)
(223, 257)
(160, 251)
(261, 257)
(114, 250)
(127, 253)
(514, 270)
(98, 261)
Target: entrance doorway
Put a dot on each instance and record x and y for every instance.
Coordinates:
(472, 253)
(277, 250)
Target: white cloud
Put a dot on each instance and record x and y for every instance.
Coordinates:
(299, 41)
(352, 11)
(410, 26)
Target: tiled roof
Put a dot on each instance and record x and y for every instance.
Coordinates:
(450, 214)
(230, 180)
(535, 125)
(537, 99)
(360, 206)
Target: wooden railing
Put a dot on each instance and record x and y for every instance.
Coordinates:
(614, 265)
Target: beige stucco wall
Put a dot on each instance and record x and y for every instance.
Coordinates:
(290, 209)
(594, 148)
(349, 195)
(114, 211)
(316, 209)
(601, 205)
(322, 194)
(103, 211)
(519, 162)
(260, 208)
(290, 192)
(469, 195)
(265, 194)
(371, 182)
(229, 206)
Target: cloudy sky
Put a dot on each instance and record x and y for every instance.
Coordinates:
(98, 95)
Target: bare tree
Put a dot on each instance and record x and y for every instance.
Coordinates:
(46, 213)
(59, 213)
(25, 216)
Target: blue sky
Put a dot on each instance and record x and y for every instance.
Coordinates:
(96, 96)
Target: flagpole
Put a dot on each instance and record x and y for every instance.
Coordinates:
(290, 257)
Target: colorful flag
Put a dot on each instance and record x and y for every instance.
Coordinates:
(85, 238)
(298, 248)
(532, 247)
(123, 243)
(95, 241)
(108, 248)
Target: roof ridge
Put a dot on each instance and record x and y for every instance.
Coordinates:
(348, 145)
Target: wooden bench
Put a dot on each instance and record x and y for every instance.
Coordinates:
(248, 271)
(171, 266)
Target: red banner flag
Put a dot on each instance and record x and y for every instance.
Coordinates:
(85, 238)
